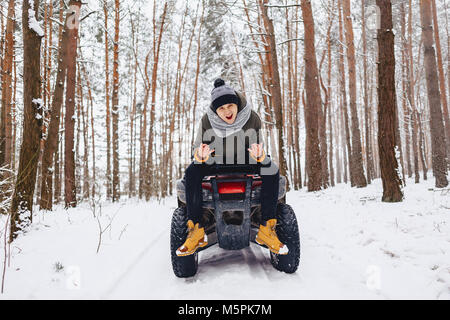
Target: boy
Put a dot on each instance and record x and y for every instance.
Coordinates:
(230, 119)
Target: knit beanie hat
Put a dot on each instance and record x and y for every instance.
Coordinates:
(223, 94)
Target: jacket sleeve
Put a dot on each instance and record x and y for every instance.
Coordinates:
(260, 139)
(198, 139)
(258, 128)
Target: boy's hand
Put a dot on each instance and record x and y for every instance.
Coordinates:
(256, 150)
(204, 151)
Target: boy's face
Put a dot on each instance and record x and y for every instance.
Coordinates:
(228, 112)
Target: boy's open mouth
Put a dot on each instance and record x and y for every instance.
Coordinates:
(229, 117)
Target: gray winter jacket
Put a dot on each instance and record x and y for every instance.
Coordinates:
(232, 149)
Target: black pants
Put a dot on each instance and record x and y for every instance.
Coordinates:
(196, 172)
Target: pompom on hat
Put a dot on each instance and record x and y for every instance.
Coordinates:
(223, 94)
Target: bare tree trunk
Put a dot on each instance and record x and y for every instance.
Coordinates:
(405, 74)
(345, 142)
(326, 106)
(91, 121)
(14, 114)
(387, 105)
(115, 107)
(6, 119)
(313, 102)
(59, 155)
(415, 147)
(2, 38)
(442, 82)
(410, 94)
(422, 147)
(22, 201)
(70, 192)
(263, 86)
(167, 159)
(132, 160)
(49, 64)
(337, 139)
(108, 110)
(53, 136)
(143, 131)
(330, 97)
(290, 114)
(6, 130)
(275, 86)
(447, 27)
(197, 73)
(149, 162)
(78, 106)
(357, 163)
(369, 156)
(297, 85)
(438, 142)
(85, 129)
(348, 159)
(59, 159)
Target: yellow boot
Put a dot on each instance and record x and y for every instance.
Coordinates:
(268, 237)
(195, 239)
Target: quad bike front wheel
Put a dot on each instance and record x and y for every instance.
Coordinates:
(183, 267)
(288, 233)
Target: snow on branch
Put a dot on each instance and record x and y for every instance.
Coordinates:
(57, 21)
(87, 15)
(282, 5)
(290, 40)
(33, 24)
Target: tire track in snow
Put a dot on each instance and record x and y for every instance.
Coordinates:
(251, 259)
(255, 257)
(135, 263)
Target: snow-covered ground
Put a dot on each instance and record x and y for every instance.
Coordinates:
(353, 246)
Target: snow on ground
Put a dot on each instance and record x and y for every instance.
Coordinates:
(353, 247)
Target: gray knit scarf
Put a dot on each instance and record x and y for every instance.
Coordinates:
(223, 129)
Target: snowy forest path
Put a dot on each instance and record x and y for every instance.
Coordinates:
(351, 247)
(136, 262)
(152, 264)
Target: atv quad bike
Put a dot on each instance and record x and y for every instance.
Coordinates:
(231, 218)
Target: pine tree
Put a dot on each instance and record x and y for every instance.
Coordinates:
(70, 193)
(313, 102)
(438, 143)
(22, 201)
(387, 105)
(356, 163)
(115, 106)
(51, 143)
